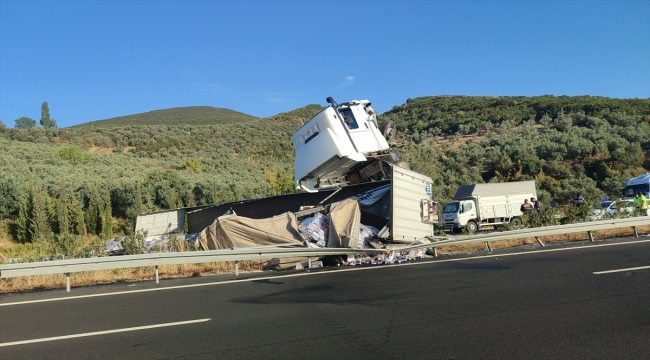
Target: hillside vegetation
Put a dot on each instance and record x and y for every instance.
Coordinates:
(191, 115)
(567, 144)
(57, 184)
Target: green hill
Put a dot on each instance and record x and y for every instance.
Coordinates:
(304, 113)
(566, 144)
(189, 115)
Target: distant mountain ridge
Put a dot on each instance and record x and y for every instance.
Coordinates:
(188, 115)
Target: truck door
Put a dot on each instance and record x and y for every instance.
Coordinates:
(470, 210)
(360, 130)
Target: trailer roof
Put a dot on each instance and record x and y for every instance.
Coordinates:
(495, 189)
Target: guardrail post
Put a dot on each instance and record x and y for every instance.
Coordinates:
(67, 282)
(636, 235)
(157, 279)
(309, 262)
(435, 251)
(591, 236)
(236, 267)
(539, 241)
(487, 245)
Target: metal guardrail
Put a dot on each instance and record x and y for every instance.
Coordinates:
(266, 252)
(538, 232)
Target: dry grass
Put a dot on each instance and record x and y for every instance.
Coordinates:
(58, 281)
(440, 141)
(101, 150)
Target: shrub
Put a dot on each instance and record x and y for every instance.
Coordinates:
(547, 217)
(73, 154)
(576, 214)
(66, 244)
(134, 244)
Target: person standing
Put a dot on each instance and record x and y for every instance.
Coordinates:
(637, 200)
(536, 205)
(644, 204)
(579, 200)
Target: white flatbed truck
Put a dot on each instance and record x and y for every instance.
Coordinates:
(479, 205)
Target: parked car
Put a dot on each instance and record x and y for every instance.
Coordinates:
(608, 208)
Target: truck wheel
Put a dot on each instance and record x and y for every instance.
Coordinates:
(516, 222)
(388, 129)
(471, 227)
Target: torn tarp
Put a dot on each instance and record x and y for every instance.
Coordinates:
(238, 231)
(345, 218)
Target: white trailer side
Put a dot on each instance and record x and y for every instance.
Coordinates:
(413, 211)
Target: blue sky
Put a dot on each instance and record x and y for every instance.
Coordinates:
(93, 60)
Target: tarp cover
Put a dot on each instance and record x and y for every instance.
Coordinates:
(238, 231)
(345, 219)
(496, 189)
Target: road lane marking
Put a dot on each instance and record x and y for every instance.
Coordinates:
(64, 337)
(621, 270)
(319, 273)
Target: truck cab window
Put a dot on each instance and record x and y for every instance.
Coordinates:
(349, 118)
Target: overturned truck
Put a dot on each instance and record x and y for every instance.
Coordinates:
(355, 188)
(401, 208)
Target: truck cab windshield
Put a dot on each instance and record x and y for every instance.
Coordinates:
(629, 191)
(451, 207)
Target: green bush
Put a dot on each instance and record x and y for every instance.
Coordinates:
(548, 217)
(73, 154)
(134, 244)
(576, 214)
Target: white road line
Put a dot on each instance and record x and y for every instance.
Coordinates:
(379, 267)
(102, 332)
(621, 270)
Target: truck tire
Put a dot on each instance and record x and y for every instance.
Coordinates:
(471, 227)
(516, 223)
(388, 129)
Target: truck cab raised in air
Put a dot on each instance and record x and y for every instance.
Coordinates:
(343, 140)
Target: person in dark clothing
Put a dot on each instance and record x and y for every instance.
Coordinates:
(536, 205)
(579, 200)
(525, 207)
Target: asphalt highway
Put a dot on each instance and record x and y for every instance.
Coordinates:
(570, 301)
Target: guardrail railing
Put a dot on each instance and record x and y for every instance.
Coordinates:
(265, 252)
(587, 227)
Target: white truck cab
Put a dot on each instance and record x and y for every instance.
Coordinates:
(637, 184)
(338, 142)
(457, 214)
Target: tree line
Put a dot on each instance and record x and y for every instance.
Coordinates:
(46, 121)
